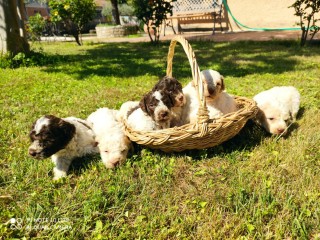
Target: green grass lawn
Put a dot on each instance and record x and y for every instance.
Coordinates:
(253, 186)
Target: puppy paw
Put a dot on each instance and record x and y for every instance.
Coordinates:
(58, 174)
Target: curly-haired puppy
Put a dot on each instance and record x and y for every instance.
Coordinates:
(278, 107)
(62, 139)
(126, 109)
(218, 101)
(153, 113)
(113, 144)
(173, 87)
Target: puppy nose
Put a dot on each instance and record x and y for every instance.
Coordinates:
(32, 152)
(280, 130)
(164, 114)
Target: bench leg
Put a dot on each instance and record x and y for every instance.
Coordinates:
(214, 21)
(168, 24)
(180, 30)
(220, 18)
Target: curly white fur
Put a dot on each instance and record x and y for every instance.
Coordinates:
(218, 101)
(278, 107)
(125, 109)
(113, 144)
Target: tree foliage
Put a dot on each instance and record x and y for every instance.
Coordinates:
(152, 13)
(35, 26)
(74, 14)
(306, 11)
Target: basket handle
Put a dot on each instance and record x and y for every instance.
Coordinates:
(203, 115)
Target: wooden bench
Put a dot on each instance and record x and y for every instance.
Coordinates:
(187, 12)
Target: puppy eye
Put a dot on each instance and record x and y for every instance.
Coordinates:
(271, 119)
(106, 151)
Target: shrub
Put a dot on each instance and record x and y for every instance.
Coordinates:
(74, 14)
(306, 10)
(35, 26)
(152, 14)
(32, 58)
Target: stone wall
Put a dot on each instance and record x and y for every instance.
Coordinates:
(115, 31)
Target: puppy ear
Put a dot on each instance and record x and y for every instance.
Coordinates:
(172, 99)
(67, 128)
(259, 116)
(157, 85)
(131, 149)
(292, 118)
(222, 83)
(142, 103)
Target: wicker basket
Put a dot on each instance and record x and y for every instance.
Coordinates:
(206, 132)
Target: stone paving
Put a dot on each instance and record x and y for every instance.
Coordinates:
(200, 36)
(219, 37)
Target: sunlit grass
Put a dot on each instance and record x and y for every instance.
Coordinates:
(253, 186)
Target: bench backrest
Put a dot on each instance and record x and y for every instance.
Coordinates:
(196, 6)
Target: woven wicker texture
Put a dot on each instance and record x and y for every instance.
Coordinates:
(206, 132)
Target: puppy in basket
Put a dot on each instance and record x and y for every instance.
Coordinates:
(218, 101)
(159, 109)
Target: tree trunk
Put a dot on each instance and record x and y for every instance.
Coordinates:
(115, 11)
(12, 32)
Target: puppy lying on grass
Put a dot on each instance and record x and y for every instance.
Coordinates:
(113, 144)
(62, 139)
(278, 107)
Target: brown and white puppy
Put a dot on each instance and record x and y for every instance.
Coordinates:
(153, 113)
(218, 101)
(62, 139)
(173, 87)
(278, 107)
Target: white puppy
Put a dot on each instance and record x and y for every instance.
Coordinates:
(64, 139)
(113, 144)
(218, 101)
(278, 107)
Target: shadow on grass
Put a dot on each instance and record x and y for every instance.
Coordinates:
(79, 165)
(247, 139)
(236, 59)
